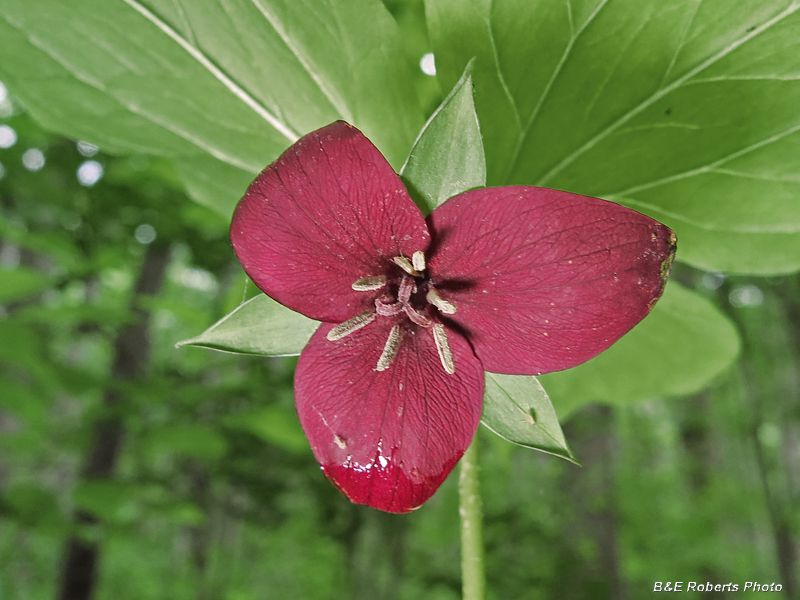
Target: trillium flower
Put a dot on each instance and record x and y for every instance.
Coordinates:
(516, 280)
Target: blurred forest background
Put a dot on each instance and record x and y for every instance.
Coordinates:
(185, 472)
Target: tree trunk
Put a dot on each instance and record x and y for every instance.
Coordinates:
(376, 555)
(131, 356)
(592, 435)
(770, 342)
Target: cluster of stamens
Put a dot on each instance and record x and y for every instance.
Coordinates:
(386, 305)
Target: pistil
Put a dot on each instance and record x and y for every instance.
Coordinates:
(386, 308)
(387, 305)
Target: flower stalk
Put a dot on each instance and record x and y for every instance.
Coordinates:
(471, 511)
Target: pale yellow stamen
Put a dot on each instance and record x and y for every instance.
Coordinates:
(351, 325)
(390, 349)
(418, 260)
(366, 284)
(443, 305)
(405, 264)
(443, 347)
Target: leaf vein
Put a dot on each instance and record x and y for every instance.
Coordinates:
(707, 167)
(681, 43)
(336, 101)
(546, 92)
(500, 76)
(591, 143)
(216, 71)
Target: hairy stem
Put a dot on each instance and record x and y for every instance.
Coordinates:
(471, 511)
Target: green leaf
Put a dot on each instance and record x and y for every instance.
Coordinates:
(108, 500)
(259, 326)
(181, 513)
(212, 183)
(33, 505)
(27, 351)
(683, 109)
(20, 283)
(754, 250)
(274, 425)
(517, 408)
(60, 247)
(676, 351)
(447, 157)
(211, 82)
(194, 439)
(22, 401)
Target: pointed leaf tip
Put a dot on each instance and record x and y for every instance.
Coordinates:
(518, 409)
(447, 157)
(259, 326)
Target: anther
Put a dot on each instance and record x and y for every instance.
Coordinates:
(351, 325)
(366, 284)
(418, 260)
(405, 264)
(443, 305)
(443, 348)
(390, 348)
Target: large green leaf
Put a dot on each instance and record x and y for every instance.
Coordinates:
(188, 439)
(21, 282)
(754, 251)
(685, 110)
(208, 81)
(273, 424)
(676, 351)
(259, 326)
(111, 501)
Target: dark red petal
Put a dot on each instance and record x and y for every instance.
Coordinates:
(387, 439)
(329, 211)
(544, 280)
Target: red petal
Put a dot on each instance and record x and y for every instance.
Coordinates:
(329, 211)
(544, 280)
(387, 439)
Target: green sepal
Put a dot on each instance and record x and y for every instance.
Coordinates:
(447, 157)
(259, 326)
(518, 409)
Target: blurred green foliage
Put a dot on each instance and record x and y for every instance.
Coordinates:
(216, 495)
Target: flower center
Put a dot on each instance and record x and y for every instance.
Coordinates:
(409, 297)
